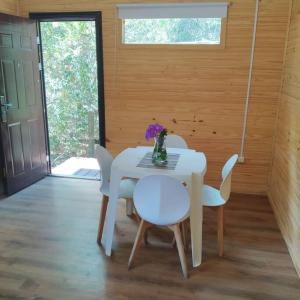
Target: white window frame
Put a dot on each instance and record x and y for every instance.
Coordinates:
(172, 10)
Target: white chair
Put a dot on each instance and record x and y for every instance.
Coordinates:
(163, 201)
(126, 188)
(218, 198)
(175, 141)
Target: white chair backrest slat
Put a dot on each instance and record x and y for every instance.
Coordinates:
(104, 159)
(225, 188)
(161, 199)
(175, 141)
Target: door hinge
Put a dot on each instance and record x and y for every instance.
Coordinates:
(40, 67)
(38, 41)
(47, 158)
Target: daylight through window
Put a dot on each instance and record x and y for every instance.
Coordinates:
(181, 24)
(172, 31)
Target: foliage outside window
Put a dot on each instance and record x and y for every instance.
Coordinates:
(188, 31)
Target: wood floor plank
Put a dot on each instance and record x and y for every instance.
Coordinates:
(48, 251)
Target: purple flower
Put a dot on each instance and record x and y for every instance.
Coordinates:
(153, 130)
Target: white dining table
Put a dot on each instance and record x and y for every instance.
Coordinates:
(190, 168)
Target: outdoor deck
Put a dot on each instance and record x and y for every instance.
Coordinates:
(79, 167)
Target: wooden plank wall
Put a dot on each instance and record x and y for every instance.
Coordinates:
(9, 7)
(285, 177)
(196, 93)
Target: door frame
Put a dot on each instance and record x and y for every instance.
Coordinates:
(74, 16)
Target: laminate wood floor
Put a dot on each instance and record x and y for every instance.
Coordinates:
(48, 251)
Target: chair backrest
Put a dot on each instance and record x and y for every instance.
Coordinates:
(161, 199)
(104, 159)
(175, 141)
(225, 188)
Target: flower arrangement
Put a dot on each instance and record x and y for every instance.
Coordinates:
(154, 131)
(158, 133)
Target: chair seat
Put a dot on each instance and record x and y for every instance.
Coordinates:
(211, 196)
(125, 190)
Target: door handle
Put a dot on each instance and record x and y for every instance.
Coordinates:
(6, 105)
(3, 103)
(3, 111)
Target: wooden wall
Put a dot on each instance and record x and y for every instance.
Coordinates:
(9, 7)
(285, 176)
(196, 93)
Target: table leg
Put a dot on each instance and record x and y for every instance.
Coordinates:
(111, 213)
(196, 217)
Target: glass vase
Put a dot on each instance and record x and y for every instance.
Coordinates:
(159, 155)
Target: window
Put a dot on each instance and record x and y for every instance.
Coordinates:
(173, 24)
(172, 31)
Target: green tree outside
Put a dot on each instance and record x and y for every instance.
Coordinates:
(173, 31)
(70, 67)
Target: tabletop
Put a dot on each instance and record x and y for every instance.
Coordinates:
(189, 162)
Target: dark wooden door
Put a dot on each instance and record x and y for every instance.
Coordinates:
(22, 125)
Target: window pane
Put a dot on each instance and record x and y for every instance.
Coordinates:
(172, 31)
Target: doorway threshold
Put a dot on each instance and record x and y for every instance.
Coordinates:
(78, 167)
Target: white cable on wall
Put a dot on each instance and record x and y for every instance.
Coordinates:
(241, 156)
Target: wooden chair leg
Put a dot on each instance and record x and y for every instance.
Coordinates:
(221, 230)
(184, 229)
(102, 218)
(136, 217)
(184, 235)
(139, 237)
(180, 248)
(129, 207)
